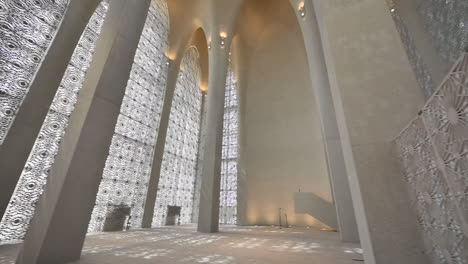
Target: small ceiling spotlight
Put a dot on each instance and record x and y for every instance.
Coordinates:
(209, 45)
(223, 39)
(392, 10)
(302, 10)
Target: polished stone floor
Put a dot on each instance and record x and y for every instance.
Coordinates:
(232, 245)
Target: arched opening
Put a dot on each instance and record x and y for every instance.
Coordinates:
(176, 188)
(200, 42)
(15, 221)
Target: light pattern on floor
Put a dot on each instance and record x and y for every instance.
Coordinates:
(183, 244)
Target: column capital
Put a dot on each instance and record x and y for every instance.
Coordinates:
(173, 65)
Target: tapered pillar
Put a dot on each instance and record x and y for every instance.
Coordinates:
(198, 166)
(375, 95)
(171, 82)
(58, 229)
(208, 219)
(332, 143)
(20, 139)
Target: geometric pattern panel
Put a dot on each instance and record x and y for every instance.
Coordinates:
(128, 166)
(176, 185)
(26, 31)
(433, 150)
(228, 193)
(22, 205)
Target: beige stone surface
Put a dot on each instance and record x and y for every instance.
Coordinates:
(375, 94)
(233, 245)
(282, 140)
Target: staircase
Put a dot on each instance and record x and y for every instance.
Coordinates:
(322, 210)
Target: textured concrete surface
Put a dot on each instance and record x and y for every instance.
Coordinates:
(233, 245)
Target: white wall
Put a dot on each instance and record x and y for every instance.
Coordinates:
(283, 141)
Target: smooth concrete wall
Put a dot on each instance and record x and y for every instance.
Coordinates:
(283, 142)
(309, 203)
(332, 141)
(375, 95)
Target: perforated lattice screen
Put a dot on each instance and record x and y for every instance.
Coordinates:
(26, 31)
(22, 205)
(128, 166)
(228, 194)
(434, 153)
(178, 168)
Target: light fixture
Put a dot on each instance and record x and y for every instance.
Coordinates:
(209, 45)
(392, 10)
(302, 10)
(222, 37)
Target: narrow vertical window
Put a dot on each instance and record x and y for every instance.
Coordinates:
(177, 181)
(228, 194)
(126, 174)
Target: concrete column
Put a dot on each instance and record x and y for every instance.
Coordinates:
(58, 229)
(198, 166)
(208, 219)
(375, 95)
(171, 82)
(242, 193)
(20, 139)
(332, 142)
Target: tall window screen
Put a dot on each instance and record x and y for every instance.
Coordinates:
(128, 166)
(177, 181)
(22, 205)
(228, 194)
(26, 31)
(433, 152)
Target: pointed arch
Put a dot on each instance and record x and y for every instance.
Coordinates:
(200, 41)
(176, 187)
